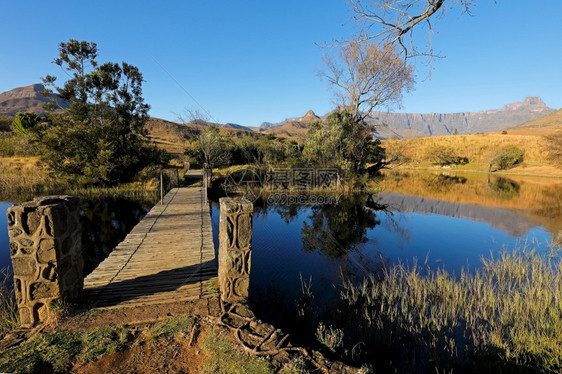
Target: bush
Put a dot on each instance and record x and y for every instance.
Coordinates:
(11, 145)
(5, 122)
(24, 122)
(441, 155)
(506, 158)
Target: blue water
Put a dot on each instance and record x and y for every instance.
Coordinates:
(281, 257)
(105, 222)
(4, 242)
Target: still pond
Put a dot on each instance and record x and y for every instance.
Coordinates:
(443, 220)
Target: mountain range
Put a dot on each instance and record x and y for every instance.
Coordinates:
(410, 125)
(26, 99)
(387, 124)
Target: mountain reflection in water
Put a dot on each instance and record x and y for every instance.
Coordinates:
(440, 220)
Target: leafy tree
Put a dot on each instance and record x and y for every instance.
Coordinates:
(23, 122)
(506, 158)
(442, 155)
(98, 139)
(344, 143)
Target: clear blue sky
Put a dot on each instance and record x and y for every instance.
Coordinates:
(253, 61)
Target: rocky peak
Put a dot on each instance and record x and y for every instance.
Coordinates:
(24, 92)
(534, 101)
(531, 102)
(309, 116)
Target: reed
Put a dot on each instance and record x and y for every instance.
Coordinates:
(504, 317)
(9, 319)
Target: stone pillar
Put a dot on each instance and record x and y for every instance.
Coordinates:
(207, 178)
(46, 251)
(235, 248)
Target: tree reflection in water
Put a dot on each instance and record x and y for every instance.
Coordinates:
(105, 223)
(337, 232)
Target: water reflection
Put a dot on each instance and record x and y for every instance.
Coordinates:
(504, 188)
(105, 222)
(336, 230)
(535, 201)
(302, 252)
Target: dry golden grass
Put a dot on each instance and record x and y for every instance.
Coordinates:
(293, 130)
(479, 149)
(546, 125)
(22, 176)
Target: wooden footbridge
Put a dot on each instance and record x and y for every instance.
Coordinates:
(168, 257)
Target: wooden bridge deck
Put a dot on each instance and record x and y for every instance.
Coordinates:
(168, 257)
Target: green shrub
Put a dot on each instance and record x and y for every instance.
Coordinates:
(442, 155)
(5, 122)
(24, 122)
(506, 158)
(11, 145)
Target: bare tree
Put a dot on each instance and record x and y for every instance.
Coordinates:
(194, 116)
(394, 21)
(367, 76)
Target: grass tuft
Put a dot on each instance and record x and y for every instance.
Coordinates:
(329, 337)
(170, 327)
(224, 358)
(55, 351)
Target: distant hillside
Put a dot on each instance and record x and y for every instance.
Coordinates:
(234, 126)
(25, 99)
(541, 126)
(173, 136)
(480, 148)
(294, 129)
(407, 125)
(411, 125)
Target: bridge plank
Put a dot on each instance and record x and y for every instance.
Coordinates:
(167, 257)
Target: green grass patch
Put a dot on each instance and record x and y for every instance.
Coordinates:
(224, 358)
(170, 328)
(55, 351)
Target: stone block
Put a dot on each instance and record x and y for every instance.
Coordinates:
(46, 252)
(235, 248)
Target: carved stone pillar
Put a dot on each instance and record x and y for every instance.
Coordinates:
(235, 248)
(207, 175)
(46, 252)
